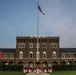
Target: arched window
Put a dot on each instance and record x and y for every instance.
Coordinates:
(44, 55)
(11, 55)
(31, 54)
(54, 54)
(75, 55)
(20, 54)
(4, 55)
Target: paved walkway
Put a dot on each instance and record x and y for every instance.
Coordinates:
(42, 73)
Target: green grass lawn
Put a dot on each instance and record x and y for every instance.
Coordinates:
(63, 73)
(54, 73)
(11, 73)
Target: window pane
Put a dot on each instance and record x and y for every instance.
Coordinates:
(31, 45)
(21, 45)
(4, 55)
(54, 55)
(54, 45)
(31, 55)
(11, 55)
(75, 55)
(21, 54)
(63, 55)
(69, 55)
(44, 55)
(44, 45)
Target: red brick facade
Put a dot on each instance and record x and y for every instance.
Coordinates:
(49, 52)
(48, 48)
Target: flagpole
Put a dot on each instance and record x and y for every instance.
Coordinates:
(37, 34)
(38, 53)
(38, 8)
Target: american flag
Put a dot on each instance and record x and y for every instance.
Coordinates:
(40, 10)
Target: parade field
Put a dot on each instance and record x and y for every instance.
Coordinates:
(11, 73)
(63, 73)
(54, 73)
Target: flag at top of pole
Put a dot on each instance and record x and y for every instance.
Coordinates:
(40, 9)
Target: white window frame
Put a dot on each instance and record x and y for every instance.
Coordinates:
(5, 55)
(31, 45)
(20, 54)
(31, 53)
(74, 55)
(54, 55)
(53, 45)
(45, 55)
(56, 45)
(11, 55)
(21, 45)
(43, 45)
(62, 55)
(69, 54)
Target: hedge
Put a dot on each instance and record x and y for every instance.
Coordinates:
(64, 67)
(20, 67)
(11, 67)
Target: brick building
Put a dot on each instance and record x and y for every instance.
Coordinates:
(26, 52)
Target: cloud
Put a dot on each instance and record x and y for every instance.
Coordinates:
(66, 30)
(57, 23)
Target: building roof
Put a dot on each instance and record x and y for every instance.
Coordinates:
(68, 49)
(7, 49)
(27, 37)
(14, 49)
